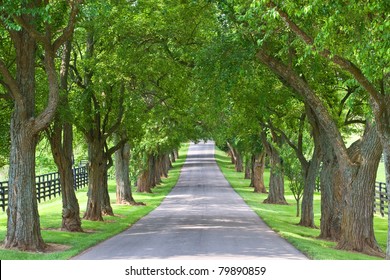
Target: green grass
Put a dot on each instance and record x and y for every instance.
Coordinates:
(380, 175)
(95, 232)
(283, 220)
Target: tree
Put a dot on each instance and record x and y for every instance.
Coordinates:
(60, 135)
(276, 181)
(296, 180)
(283, 54)
(24, 22)
(359, 49)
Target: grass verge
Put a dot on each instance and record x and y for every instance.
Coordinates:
(283, 220)
(71, 244)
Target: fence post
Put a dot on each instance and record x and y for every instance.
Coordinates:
(2, 196)
(382, 199)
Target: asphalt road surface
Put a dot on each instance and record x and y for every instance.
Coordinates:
(202, 218)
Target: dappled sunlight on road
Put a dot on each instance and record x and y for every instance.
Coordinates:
(202, 218)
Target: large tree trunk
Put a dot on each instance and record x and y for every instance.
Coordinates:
(276, 184)
(96, 175)
(165, 165)
(70, 207)
(176, 153)
(386, 156)
(310, 170)
(157, 170)
(248, 168)
(146, 180)
(239, 163)
(382, 116)
(143, 184)
(357, 230)
(331, 184)
(61, 145)
(231, 153)
(61, 141)
(23, 227)
(123, 187)
(258, 173)
(236, 157)
(173, 156)
(310, 178)
(106, 202)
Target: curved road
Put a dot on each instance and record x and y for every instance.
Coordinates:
(202, 218)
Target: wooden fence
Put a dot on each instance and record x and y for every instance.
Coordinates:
(381, 204)
(48, 185)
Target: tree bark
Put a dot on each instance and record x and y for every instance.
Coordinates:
(236, 157)
(173, 156)
(310, 178)
(143, 184)
(258, 173)
(239, 164)
(146, 180)
(106, 203)
(310, 171)
(231, 153)
(96, 176)
(276, 185)
(61, 142)
(23, 226)
(165, 165)
(357, 231)
(155, 174)
(176, 153)
(382, 117)
(61, 146)
(123, 186)
(248, 169)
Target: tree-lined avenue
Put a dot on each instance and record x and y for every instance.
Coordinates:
(203, 217)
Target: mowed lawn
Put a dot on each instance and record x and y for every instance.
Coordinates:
(283, 220)
(69, 244)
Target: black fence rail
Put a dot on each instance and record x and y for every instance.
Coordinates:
(3, 195)
(381, 204)
(48, 185)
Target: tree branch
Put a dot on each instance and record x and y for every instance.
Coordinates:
(34, 33)
(118, 122)
(43, 120)
(67, 32)
(9, 82)
(309, 97)
(345, 64)
(114, 148)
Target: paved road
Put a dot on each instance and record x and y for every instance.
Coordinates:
(202, 218)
